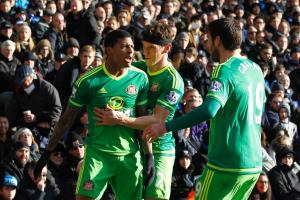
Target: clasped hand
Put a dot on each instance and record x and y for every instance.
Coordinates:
(107, 116)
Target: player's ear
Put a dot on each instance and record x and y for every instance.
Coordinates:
(217, 41)
(167, 48)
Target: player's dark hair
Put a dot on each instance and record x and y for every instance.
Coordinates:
(158, 33)
(113, 37)
(229, 31)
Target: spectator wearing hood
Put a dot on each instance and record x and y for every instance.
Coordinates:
(284, 112)
(285, 177)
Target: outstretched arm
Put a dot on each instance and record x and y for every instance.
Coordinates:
(202, 113)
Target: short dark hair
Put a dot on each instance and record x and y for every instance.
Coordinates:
(159, 33)
(229, 30)
(113, 37)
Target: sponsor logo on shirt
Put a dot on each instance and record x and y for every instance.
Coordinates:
(215, 86)
(88, 185)
(102, 91)
(154, 87)
(116, 103)
(131, 89)
(172, 97)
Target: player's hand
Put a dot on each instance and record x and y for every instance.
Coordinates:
(149, 169)
(107, 116)
(42, 162)
(154, 131)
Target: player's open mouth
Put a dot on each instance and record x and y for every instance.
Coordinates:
(129, 59)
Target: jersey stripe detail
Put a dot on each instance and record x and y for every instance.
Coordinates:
(218, 70)
(257, 169)
(221, 100)
(207, 185)
(88, 74)
(142, 102)
(163, 103)
(204, 185)
(75, 103)
(175, 81)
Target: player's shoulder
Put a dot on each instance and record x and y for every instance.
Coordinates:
(173, 76)
(140, 64)
(91, 74)
(137, 70)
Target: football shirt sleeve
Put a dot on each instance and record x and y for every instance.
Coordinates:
(219, 88)
(79, 96)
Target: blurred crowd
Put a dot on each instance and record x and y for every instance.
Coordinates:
(46, 45)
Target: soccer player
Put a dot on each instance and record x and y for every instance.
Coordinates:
(234, 104)
(166, 90)
(111, 153)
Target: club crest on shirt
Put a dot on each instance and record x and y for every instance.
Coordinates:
(172, 97)
(88, 185)
(131, 89)
(154, 87)
(215, 86)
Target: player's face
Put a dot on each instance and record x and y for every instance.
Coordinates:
(153, 53)
(213, 50)
(122, 53)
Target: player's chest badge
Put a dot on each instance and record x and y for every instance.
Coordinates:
(131, 89)
(154, 87)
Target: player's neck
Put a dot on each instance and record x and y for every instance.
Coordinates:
(115, 71)
(225, 55)
(160, 65)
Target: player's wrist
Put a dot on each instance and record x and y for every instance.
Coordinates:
(164, 128)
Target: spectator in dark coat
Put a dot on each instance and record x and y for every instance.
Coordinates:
(295, 80)
(45, 57)
(39, 29)
(72, 70)
(16, 164)
(57, 34)
(41, 188)
(75, 153)
(56, 160)
(82, 25)
(5, 139)
(285, 177)
(182, 178)
(8, 66)
(36, 101)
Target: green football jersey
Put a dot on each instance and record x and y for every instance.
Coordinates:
(234, 140)
(98, 88)
(165, 90)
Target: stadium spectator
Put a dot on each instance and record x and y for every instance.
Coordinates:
(8, 187)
